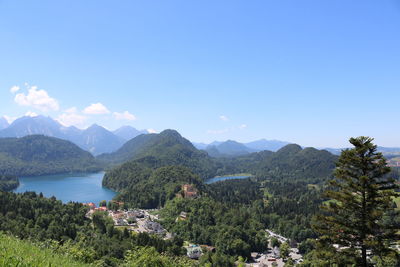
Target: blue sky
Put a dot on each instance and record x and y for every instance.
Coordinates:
(311, 72)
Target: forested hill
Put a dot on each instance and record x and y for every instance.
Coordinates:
(39, 155)
(293, 161)
(163, 149)
(150, 152)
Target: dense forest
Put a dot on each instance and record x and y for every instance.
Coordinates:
(163, 149)
(283, 195)
(232, 215)
(40, 155)
(169, 148)
(65, 229)
(8, 182)
(149, 188)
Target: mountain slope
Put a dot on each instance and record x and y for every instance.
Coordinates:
(128, 132)
(228, 148)
(95, 139)
(98, 140)
(3, 123)
(145, 153)
(165, 148)
(39, 155)
(263, 144)
(293, 161)
(33, 125)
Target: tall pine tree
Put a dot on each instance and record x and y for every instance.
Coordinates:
(361, 201)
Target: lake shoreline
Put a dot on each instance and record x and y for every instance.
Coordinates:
(77, 187)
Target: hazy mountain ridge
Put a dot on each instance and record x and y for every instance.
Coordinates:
(128, 132)
(3, 123)
(231, 148)
(95, 139)
(228, 148)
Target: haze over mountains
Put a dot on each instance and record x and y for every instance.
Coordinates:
(98, 140)
(95, 139)
(231, 148)
(3, 123)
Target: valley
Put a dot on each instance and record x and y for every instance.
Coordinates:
(202, 201)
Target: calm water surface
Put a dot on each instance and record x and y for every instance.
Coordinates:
(68, 187)
(218, 179)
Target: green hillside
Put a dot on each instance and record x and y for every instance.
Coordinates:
(164, 149)
(21, 253)
(149, 188)
(40, 155)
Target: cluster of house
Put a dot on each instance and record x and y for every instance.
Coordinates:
(272, 257)
(136, 220)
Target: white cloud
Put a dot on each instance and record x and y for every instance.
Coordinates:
(151, 131)
(124, 116)
(71, 110)
(10, 119)
(222, 131)
(243, 126)
(68, 119)
(96, 109)
(31, 114)
(14, 89)
(223, 118)
(71, 117)
(38, 99)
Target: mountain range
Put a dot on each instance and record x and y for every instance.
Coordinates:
(98, 140)
(232, 148)
(144, 156)
(95, 139)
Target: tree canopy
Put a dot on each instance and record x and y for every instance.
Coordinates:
(360, 215)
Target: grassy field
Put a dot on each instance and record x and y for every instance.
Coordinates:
(15, 252)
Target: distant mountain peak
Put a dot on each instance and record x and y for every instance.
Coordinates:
(290, 149)
(3, 123)
(127, 132)
(95, 126)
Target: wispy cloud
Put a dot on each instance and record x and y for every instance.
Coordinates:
(71, 117)
(124, 116)
(31, 114)
(151, 131)
(242, 126)
(221, 131)
(96, 109)
(14, 89)
(9, 118)
(38, 99)
(223, 118)
(71, 110)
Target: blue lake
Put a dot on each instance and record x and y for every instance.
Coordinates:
(223, 178)
(68, 187)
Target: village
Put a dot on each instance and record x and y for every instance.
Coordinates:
(147, 221)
